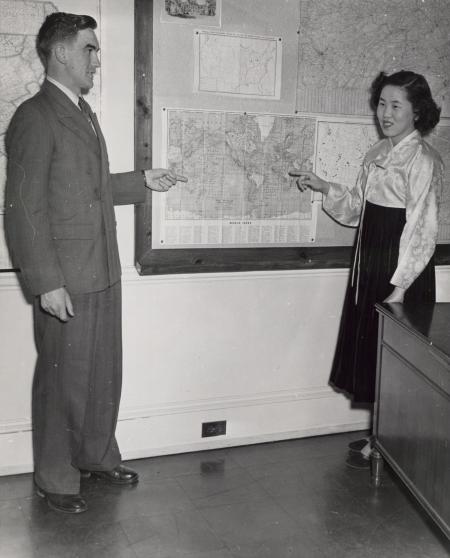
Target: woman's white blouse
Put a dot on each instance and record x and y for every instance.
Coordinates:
(407, 175)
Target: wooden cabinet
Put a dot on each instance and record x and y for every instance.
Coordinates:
(412, 407)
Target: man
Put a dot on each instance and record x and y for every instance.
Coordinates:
(62, 234)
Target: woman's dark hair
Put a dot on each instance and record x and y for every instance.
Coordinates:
(418, 94)
(60, 26)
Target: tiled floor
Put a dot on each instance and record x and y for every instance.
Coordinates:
(282, 500)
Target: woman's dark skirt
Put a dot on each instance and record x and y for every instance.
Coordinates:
(354, 365)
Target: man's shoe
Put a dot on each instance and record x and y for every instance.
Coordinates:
(118, 475)
(66, 503)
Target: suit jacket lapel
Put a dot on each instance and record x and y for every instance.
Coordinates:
(71, 117)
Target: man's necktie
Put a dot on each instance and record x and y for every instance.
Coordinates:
(87, 112)
(84, 107)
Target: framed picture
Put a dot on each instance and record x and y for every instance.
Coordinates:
(192, 12)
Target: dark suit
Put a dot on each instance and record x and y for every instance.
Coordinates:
(61, 231)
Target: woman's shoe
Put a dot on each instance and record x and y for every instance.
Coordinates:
(358, 461)
(363, 446)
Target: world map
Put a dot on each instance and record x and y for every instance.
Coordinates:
(344, 44)
(237, 165)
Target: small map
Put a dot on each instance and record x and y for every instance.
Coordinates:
(344, 44)
(440, 140)
(341, 148)
(238, 190)
(237, 64)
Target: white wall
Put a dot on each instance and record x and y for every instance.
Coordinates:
(252, 348)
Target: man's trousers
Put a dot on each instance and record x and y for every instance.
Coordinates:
(76, 390)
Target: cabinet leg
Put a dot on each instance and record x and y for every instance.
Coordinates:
(376, 468)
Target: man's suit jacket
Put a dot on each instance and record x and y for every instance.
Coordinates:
(60, 221)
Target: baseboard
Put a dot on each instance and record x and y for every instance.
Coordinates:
(176, 428)
(205, 445)
(213, 444)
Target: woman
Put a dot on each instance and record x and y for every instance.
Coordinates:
(395, 204)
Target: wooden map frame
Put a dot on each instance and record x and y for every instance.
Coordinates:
(153, 261)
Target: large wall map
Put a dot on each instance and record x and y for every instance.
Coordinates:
(21, 70)
(239, 191)
(20, 67)
(344, 44)
(21, 73)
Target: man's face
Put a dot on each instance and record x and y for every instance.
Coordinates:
(81, 61)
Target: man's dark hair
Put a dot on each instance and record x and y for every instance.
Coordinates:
(60, 26)
(418, 94)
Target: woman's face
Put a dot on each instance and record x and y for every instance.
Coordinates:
(395, 113)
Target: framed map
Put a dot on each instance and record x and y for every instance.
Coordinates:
(239, 211)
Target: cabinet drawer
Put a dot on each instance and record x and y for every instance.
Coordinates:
(422, 356)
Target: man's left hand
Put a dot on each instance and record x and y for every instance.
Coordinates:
(162, 180)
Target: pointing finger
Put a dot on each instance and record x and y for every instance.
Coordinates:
(174, 177)
(294, 172)
(298, 173)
